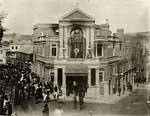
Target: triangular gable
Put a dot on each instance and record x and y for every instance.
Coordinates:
(77, 14)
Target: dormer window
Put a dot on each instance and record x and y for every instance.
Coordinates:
(98, 32)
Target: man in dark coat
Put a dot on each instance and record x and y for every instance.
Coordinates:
(81, 102)
(9, 108)
(46, 110)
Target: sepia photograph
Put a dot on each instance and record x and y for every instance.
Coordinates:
(74, 58)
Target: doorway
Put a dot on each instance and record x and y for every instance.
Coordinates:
(76, 83)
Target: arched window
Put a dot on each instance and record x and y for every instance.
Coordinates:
(76, 33)
(77, 43)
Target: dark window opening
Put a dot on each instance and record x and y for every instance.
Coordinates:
(53, 51)
(93, 76)
(60, 73)
(99, 50)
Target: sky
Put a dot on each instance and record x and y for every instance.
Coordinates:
(132, 15)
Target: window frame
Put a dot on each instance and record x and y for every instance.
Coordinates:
(93, 80)
(53, 46)
(97, 50)
(102, 76)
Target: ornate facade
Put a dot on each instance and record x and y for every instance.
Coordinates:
(78, 50)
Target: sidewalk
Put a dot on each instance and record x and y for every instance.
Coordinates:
(111, 99)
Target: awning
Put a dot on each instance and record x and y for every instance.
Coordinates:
(76, 69)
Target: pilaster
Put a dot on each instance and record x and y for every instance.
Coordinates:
(92, 40)
(55, 75)
(64, 81)
(66, 41)
(87, 39)
(61, 35)
(89, 77)
(97, 77)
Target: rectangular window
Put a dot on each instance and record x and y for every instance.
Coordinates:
(12, 47)
(16, 47)
(53, 51)
(60, 73)
(101, 76)
(93, 76)
(99, 50)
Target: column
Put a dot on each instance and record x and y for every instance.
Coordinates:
(55, 75)
(89, 77)
(97, 77)
(92, 40)
(64, 82)
(61, 34)
(96, 49)
(66, 37)
(64, 78)
(87, 39)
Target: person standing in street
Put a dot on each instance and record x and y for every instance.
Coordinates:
(9, 108)
(81, 102)
(46, 110)
(119, 90)
(55, 92)
(124, 89)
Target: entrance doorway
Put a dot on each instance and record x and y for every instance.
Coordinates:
(76, 83)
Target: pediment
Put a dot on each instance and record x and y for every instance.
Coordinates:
(77, 15)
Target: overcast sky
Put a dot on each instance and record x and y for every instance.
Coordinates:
(132, 15)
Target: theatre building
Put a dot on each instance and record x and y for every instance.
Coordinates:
(76, 50)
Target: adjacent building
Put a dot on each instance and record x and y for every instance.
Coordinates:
(20, 53)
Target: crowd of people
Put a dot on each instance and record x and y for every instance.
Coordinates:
(5, 91)
(26, 85)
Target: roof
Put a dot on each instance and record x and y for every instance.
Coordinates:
(28, 49)
(45, 25)
(77, 15)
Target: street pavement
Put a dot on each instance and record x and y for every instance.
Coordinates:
(132, 105)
